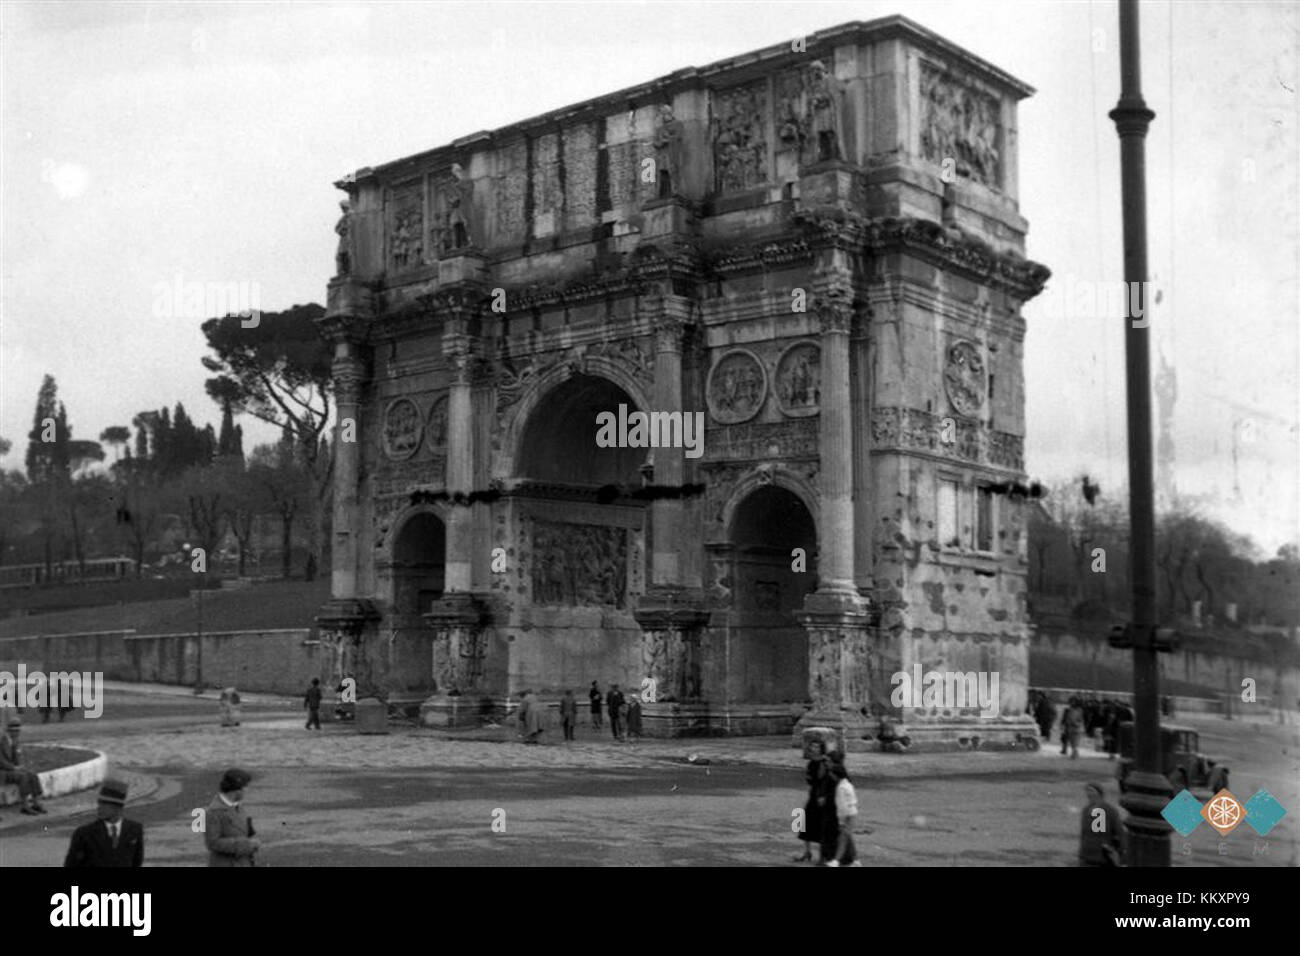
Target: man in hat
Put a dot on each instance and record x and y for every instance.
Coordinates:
(228, 831)
(12, 770)
(312, 703)
(110, 840)
(1100, 831)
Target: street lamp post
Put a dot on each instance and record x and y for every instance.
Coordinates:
(1147, 790)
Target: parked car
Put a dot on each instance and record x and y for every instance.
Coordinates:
(1181, 759)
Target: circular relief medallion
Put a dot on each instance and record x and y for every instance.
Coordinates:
(438, 423)
(402, 428)
(963, 377)
(737, 387)
(798, 380)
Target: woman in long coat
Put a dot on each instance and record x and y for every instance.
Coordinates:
(530, 717)
(817, 776)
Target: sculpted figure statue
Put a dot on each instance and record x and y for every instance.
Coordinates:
(668, 147)
(343, 257)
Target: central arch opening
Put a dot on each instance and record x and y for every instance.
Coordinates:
(768, 646)
(584, 554)
(559, 444)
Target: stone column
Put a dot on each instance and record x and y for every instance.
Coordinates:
(461, 620)
(835, 616)
(834, 304)
(348, 371)
(671, 613)
(666, 513)
(460, 455)
(347, 620)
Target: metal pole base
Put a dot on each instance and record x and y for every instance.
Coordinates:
(1148, 832)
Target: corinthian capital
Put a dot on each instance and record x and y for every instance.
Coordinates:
(349, 374)
(834, 307)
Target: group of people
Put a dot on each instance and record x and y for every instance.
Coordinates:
(111, 840)
(831, 810)
(624, 711)
(1083, 716)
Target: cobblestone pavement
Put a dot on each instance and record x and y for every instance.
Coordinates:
(416, 797)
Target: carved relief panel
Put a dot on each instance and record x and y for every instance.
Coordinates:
(961, 124)
(964, 380)
(406, 229)
(736, 388)
(402, 427)
(798, 380)
(740, 117)
(579, 564)
(548, 190)
(508, 193)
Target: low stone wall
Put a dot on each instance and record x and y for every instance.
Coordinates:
(266, 661)
(1193, 663)
(63, 780)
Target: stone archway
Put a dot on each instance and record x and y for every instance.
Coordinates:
(418, 564)
(767, 646)
(558, 441)
(582, 555)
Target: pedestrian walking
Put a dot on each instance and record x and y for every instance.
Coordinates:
(634, 717)
(230, 707)
(815, 775)
(830, 823)
(1072, 728)
(312, 703)
(530, 718)
(227, 829)
(13, 771)
(597, 702)
(568, 713)
(1101, 841)
(614, 701)
(1046, 716)
(846, 815)
(110, 840)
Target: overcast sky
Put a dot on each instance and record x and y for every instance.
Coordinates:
(145, 144)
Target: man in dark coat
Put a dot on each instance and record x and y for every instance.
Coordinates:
(227, 830)
(1100, 831)
(1046, 716)
(568, 713)
(597, 699)
(614, 701)
(312, 703)
(111, 840)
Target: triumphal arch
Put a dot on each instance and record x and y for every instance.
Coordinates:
(817, 246)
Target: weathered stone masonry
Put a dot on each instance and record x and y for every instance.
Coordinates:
(651, 247)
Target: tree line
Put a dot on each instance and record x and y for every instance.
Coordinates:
(1207, 575)
(72, 502)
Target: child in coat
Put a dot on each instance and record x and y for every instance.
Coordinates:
(846, 811)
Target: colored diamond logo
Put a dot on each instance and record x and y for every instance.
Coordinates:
(1224, 812)
(1263, 812)
(1183, 813)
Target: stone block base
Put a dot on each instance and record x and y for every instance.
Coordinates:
(703, 719)
(949, 734)
(450, 712)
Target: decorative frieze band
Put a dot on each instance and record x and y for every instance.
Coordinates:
(910, 429)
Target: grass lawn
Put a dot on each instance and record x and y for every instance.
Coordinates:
(41, 757)
(281, 604)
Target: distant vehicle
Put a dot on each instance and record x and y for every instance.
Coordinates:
(1181, 759)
